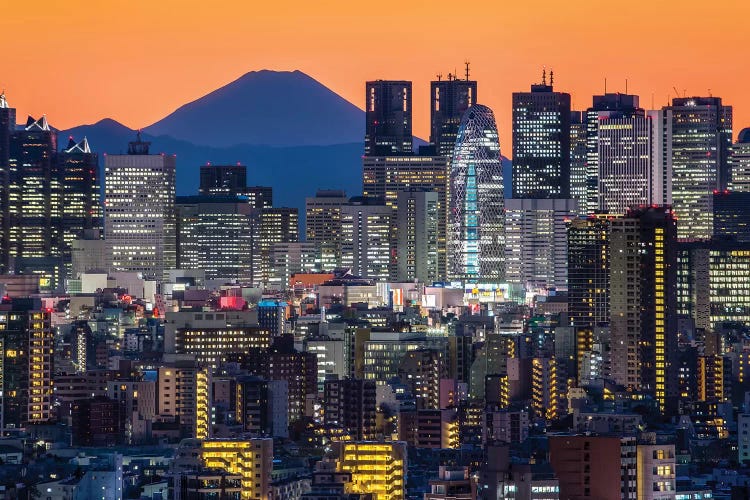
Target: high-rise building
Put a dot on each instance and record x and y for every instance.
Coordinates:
(211, 346)
(536, 250)
(656, 471)
(35, 201)
(578, 160)
(620, 170)
(388, 127)
(643, 303)
(277, 225)
(384, 176)
(251, 459)
(707, 271)
(323, 225)
(624, 159)
(222, 179)
(231, 180)
(262, 406)
(618, 106)
(739, 163)
(81, 207)
(292, 258)
(731, 218)
(541, 142)
(476, 238)
(376, 468)
(350, 404)
(367, 242)
(26, 341)
(588, 281)
(7, 127)
(139, 215)
(590, 467)
(218, 234)
(417, 219)
(449, 100)
(699, 136)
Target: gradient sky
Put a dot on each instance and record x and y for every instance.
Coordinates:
(137, 60)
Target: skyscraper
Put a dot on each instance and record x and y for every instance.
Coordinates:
(541, 143)
(588, 281)
(7, 126)
(536, 250)
(218, 234)
(388, 128)
(384, 176)
(323, 225)
(477, 233)
(366, 243)
(35, 202)
(417, 219)
(578, 159)
(699, 135)
(619, 168)
(81, 206)
(232, 180)
(449, 100)
(739, 163)
(139, 216)
(643, 303)
(277, 225)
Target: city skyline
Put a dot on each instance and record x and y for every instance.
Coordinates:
(168, 67)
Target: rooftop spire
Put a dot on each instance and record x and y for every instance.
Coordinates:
(544, 75)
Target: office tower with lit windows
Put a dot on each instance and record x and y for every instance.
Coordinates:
(139, 214)
(210, 346)
(417, 219)
(323, 225)
(376, 468)
(588, 282)
(578, 159)
(231, 180)
(619, 157)
(541, 142)
(81, 208)
(35, 203)
(7, 127)
(292, 258)
(384, 176)
(388, 125)
(536, 252)
(26, 340)
(643, 303)
(713, 282)
(449, 100)
(218, 234)
(251, 459)
(277, 225)
(739, 163)
(699, 137)
(613, 105)
(476, 236)
(351, 405)
(367, 241)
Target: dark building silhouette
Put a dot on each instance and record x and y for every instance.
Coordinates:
(388, 128)
(732, 215)
(99, 421)
(449, 100)
(541, 143)
(7, 126)
(350, 404)
(231, 180)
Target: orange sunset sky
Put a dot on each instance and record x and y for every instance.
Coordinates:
(137, 60)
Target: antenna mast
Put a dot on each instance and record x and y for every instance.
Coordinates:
(467, 70)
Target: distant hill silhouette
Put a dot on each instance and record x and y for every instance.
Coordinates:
(266, 108)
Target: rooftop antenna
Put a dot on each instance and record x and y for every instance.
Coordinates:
(544, 75)
(450, 76)
(467, 70)
(605, 84)
(709, 93)
(551, 77)
(439, 76)
(626, 85)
